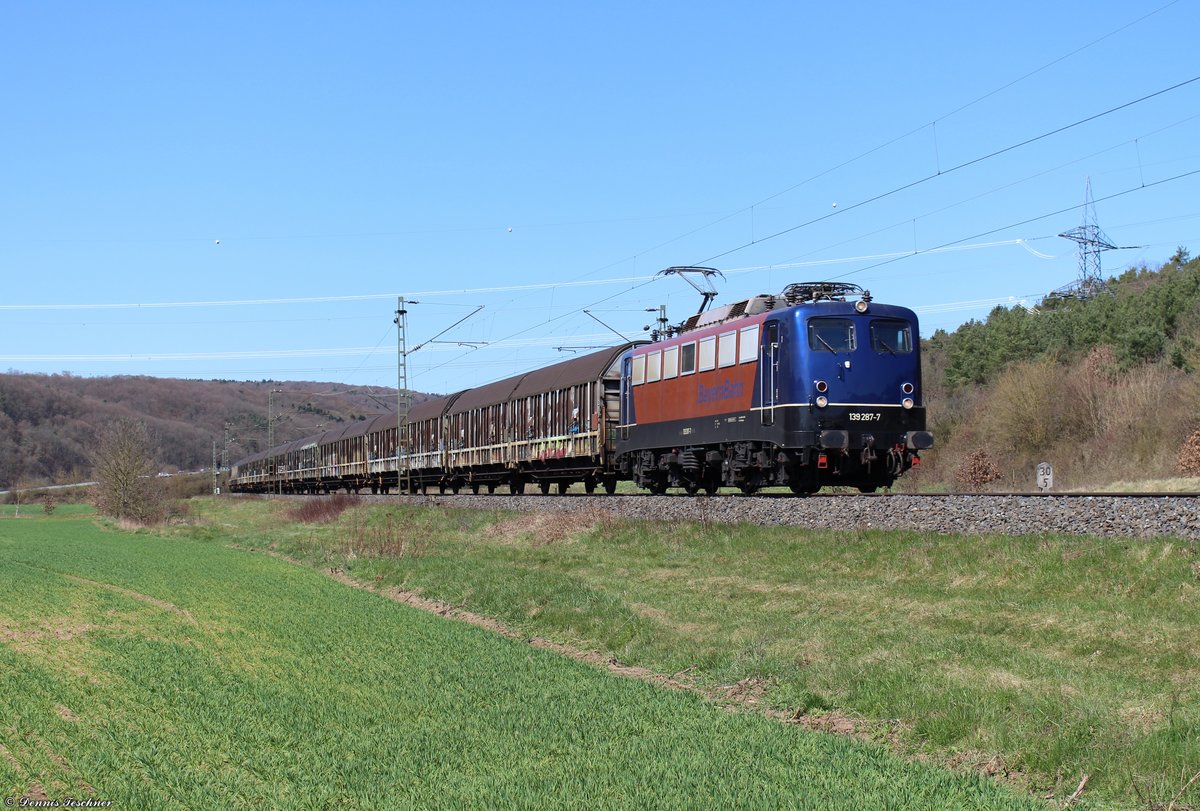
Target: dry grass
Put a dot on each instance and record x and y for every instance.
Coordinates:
(1183, 484)
(322, 510)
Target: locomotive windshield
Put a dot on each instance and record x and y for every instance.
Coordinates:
(891, 335)
(831, 335)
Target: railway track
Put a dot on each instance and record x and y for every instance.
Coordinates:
(1134, 515)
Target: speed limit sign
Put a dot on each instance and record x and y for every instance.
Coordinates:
(1045, 476)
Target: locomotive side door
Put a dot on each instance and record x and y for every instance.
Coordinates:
(768, 367)
(626, 395)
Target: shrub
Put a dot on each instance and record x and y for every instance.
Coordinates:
(977, 470)
(1189, 454)
(322, 510)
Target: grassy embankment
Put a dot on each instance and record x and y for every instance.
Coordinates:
(1039, 659)
(177, 672)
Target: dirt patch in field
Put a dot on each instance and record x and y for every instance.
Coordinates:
(22, 639)
(12, 761)
(136, 595)
(545, 528)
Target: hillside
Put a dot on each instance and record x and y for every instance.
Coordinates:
(48, 422)
(1105, 389)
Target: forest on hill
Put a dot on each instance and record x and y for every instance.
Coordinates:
(48, 423)
(1104, 388)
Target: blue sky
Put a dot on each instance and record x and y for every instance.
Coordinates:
(170, 168)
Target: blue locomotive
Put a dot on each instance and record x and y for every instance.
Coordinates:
(805, 389)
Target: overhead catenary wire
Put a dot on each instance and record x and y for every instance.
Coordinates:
(974, 161)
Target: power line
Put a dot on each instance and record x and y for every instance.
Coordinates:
(940, 173)
(1022, 222)
(897, 138)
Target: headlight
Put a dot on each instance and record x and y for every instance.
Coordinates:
(822, 402)
(821, 386)
(860, 306)
(907, 388)
(907, 402)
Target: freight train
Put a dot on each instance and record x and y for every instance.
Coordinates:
(816, 386)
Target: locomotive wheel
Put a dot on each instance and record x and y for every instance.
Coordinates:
(868, 488)
(691, 488)
(749, 489)
(802, 489)
(544, 487)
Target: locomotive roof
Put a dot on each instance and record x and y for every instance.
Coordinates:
(740, 317)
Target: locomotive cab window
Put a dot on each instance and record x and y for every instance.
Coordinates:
(831, 335)
(891, 336)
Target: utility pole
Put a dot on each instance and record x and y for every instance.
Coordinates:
(216, 486)
(270, 419)
(403, 467)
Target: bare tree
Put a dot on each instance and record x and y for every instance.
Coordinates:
(124, 468)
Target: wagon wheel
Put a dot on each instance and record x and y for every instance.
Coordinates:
(610, 485)
(562, 488)
(475, 488)
(589, 485)
(544, 487)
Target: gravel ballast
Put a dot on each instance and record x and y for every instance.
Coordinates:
(1096, 515)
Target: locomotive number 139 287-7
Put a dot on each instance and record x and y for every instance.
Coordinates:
(864, 416)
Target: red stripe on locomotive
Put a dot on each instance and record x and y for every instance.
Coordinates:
(674, 393)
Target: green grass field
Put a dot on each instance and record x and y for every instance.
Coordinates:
(176, 672)
(1038, 659)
